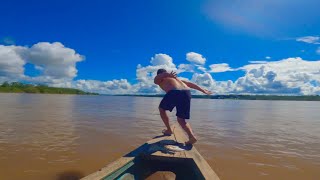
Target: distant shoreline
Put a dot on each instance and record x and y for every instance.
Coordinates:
(241, 97)
(16, 87)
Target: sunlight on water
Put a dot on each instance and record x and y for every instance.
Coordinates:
(49, 136)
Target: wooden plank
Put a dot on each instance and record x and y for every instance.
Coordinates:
(193, 153)
(203, 165)
(179, 134)
(181, 138)
(109, 169)
(159, 152)
(114, 166)
(159, 143)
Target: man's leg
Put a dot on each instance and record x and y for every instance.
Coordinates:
(165, 120)
(187, 128)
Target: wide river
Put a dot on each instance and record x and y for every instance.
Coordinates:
(61, 136)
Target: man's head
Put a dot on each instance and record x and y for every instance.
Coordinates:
(161, 71)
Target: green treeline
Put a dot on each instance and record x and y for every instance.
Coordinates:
(246, 97)
(17, 87)
(263, 97)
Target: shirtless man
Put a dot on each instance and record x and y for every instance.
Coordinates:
(177, 95)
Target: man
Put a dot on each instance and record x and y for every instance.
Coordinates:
(177, 95)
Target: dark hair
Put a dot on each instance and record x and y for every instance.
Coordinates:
(161, 71)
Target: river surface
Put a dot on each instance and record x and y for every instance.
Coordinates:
(58, 136)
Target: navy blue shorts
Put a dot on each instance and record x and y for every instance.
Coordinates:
(180, 99)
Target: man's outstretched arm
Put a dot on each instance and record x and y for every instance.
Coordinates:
(158, 79)
(196, 87)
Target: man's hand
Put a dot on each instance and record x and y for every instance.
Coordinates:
(207, 92)
(173, 74)
(158, 79)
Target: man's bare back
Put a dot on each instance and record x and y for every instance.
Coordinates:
(171, 83)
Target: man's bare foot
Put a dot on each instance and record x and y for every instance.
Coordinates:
(167, 132)
(191, 141)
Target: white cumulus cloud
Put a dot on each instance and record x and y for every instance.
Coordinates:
(55, 62)
(162, 60)
(287, 76)
(11, 62)
(111, 87)
(54, 59)
(205, 80)
(223, 67)
(292, 75)
(196, 58)
(57, 66)
(186, 68)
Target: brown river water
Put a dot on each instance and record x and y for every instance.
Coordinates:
(58, 136)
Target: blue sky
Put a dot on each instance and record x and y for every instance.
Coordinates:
(113, 37)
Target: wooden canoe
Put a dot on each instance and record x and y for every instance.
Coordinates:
(156, 160)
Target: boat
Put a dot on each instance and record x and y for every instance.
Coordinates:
(163, 157)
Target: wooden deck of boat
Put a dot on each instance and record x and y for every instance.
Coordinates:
(177, 136)
(180, 137)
